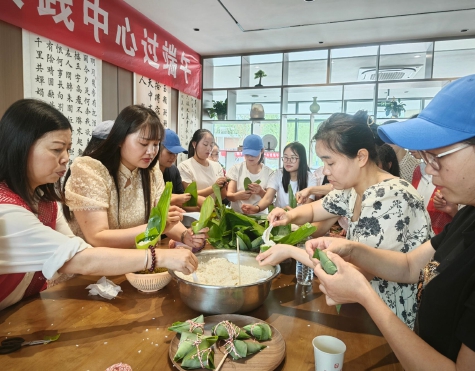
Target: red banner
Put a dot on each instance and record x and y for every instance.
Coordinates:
(113, 31)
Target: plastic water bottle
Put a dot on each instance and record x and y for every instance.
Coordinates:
(304, 274)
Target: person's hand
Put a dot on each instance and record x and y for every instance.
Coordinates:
(274, 255)
(278, 217)
(221, 181)
(181, 260)
(180, 199)
(288, 208)
(249, 209)
(175, 215)
(347, 285)
(302, 196)
(255, 188)
(243, 195)
(339, 246)
(195, 240)
(441, 204)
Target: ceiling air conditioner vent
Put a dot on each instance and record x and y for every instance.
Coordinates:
(388, 73)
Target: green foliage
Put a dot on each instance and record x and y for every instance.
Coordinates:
(259, 74)
(328, 266)
(205, 214)
(157, 220)
(392, 106)
(193, 191)
(292, 200)
(219, 108)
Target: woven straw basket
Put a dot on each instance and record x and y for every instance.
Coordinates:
(149, 282)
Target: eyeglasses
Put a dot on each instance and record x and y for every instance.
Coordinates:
(292, 160)
(433, 160)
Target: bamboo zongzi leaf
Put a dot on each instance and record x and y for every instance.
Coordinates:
(292, 200)
(194, 325)
(200, 357)
(261, 331)
(238, 350)
(328, 266)
(193, 191)
(247, 181)
(253, 347)
(205, 214)
(299, 235)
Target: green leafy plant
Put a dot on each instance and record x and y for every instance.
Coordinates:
(292, 200)
(248, 181)
(157, 220)
(220, 109)
(259, 75)
(392, 107)
(193, 191)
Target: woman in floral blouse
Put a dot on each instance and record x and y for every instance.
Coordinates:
(384, 211)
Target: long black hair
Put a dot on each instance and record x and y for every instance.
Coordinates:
(197, 136)
(302, 172)
(347, 134)
(388, 159)
(24, 122)
(131, 119)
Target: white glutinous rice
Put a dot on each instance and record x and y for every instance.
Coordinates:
(221, 272)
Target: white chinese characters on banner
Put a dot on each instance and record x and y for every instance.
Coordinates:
(154, 95)
(66, 79)
(189, 113)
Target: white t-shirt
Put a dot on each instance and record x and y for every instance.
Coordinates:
(238, 173)
(282, 197)
(204, 176)
(30, 246)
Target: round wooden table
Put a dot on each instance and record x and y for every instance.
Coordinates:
(132, 328)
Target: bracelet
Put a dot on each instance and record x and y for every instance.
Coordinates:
(182, 237)
(258, 208)
(152, 267)
(146, 260)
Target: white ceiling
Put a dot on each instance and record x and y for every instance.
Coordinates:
(250, 26)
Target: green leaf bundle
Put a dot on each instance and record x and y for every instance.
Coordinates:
(205, 215)
(328, 266)
(200, 356)
(194, 325)
(193, 191)
(248, 181)
(292, 200)
(299, 235)
(157, 220)
(261, 331)
(222, 329)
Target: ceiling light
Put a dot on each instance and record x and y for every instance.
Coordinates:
(464, 30)
(254, 95)
(196, 29)
(308, 1)
(320, 42)
(417, 56)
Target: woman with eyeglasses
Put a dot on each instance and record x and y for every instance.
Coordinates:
(441, 211)
(109, 194)
(295, 174)
(198, 168)
(383, 211)
(444, 267)
(241, 197)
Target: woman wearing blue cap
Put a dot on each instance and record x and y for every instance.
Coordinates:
(170, 147)
(242, 197)
(444, 267)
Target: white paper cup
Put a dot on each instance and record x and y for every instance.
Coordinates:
(329, 353)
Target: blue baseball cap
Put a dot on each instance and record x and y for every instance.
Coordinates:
(448, 119)
(252, 145)
(172, 142)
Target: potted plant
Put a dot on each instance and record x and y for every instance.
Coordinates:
(219, 110)
(259, 75)
(393, 107)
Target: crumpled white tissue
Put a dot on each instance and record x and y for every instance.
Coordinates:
(105, 288)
